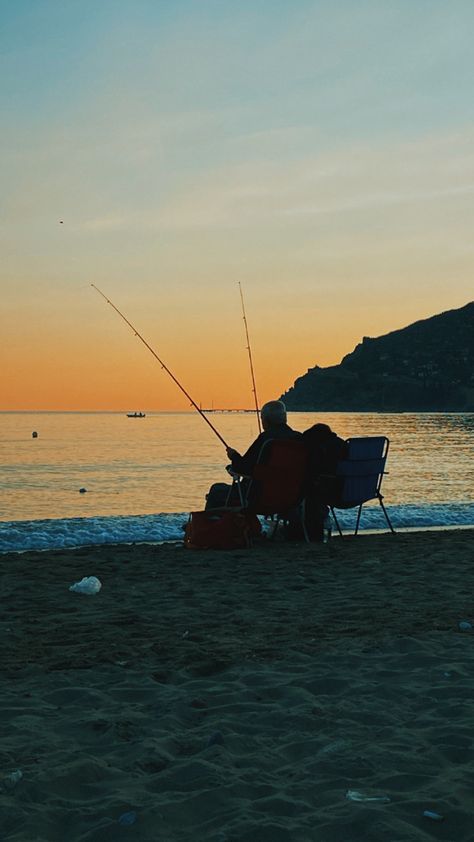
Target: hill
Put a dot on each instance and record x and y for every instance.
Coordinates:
(427, 366)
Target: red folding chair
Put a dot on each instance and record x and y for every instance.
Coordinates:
(278, 483)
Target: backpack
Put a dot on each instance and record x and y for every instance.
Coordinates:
(220, 530)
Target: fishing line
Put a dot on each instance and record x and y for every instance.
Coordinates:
(137, 334)
(254, 387)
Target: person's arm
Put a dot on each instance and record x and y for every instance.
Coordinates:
(245, 464)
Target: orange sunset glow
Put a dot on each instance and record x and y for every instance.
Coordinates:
(175, 162)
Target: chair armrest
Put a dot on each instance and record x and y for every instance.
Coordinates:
(235, 474)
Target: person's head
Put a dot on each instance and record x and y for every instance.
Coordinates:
(272, 414)
(318, 433)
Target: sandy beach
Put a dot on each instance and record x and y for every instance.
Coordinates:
(239, 696)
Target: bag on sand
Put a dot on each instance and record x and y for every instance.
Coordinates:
(220, 530)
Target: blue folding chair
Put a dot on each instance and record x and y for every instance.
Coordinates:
(359, 477)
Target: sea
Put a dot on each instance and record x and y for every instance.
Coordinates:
(90, 478)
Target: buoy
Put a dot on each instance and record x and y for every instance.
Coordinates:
(34, 434)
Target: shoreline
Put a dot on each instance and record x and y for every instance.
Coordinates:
(408, 530)
(48, 535)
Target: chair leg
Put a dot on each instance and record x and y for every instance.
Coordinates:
(358, 520)
(235, 482)
(336, 520)
(380, 496)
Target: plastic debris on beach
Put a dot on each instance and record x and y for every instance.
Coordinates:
(353, 795)
(128, 818)
(87, 585)
(435, 817)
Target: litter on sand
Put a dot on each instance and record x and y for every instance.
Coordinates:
(88, 585)
(353, 795)
(435, 817)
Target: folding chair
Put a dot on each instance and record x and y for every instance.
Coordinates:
(359, 476)
(278, 483)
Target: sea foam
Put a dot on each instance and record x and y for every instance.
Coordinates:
(94, 531)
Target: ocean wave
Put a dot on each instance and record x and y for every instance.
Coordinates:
(16, 536)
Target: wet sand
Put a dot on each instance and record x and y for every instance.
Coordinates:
(238, 696)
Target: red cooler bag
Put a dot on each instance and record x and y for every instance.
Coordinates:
(220, 530)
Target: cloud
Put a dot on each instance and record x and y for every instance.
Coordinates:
(380, 200)
(349, 179)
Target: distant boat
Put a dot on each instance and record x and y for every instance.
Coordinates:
(136, 415)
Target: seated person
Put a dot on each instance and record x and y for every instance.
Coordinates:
(273, 415)
(325, 450)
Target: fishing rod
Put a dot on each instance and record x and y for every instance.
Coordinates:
(254, 387)
(193, 403)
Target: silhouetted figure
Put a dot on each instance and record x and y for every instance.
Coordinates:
(274, 423)
(325, 450)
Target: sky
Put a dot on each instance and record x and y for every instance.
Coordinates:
(319, 153)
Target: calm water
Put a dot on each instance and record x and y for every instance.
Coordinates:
(166, 461)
